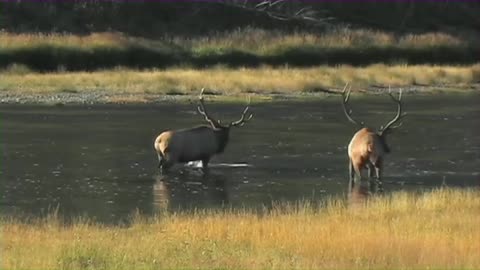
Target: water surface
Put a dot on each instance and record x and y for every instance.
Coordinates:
(99, 162)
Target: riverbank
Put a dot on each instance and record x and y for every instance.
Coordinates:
(402, 230)
(103, 97)
(21, 85)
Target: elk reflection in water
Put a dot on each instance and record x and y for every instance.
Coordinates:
(189, 190)
(358, 195)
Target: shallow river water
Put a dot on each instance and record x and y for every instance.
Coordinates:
(98, 161)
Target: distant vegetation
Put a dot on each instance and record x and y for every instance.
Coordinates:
(93, 35)
(235, 46)
(241, 48)
(437, 229)
(225, 81)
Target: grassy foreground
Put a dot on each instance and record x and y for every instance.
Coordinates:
(264, 80)
(437, 229)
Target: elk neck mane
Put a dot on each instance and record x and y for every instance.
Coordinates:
(383, 140)
(221, 135)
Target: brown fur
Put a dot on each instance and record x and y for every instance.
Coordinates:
(366, 150)
(365, 147)
(368, 147)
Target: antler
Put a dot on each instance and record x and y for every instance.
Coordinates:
(345, 97)
(399, 115)
(203, 111)
(243, 120)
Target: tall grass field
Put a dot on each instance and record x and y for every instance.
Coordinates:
(436, 229)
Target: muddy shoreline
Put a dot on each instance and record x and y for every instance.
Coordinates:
(105, 97)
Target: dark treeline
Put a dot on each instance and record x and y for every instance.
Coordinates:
(157, 18)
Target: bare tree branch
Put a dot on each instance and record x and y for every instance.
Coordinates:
(283, 10)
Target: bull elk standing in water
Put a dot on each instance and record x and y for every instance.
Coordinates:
(368, 147)
(197, 143)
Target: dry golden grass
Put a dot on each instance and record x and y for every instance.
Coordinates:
(264, 80)
(10, 40)
(266, 42)
(246, 39)
(436, 229)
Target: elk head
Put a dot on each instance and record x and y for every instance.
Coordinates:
(221, 130)
(384, 130)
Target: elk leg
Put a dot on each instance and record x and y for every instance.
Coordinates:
(167, 163)
(378, 174)
(165, 167)
(371, 172)
(160, 160)
(168, 160)
(351, 174)
(205, 164)
(357, 176)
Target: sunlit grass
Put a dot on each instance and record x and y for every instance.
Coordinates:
(10, 40)
(264, 80)
(245, 47)
(403, 231)
(265, 42)
(247, 39)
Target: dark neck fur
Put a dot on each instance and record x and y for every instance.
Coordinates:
(222, 136)
(383, 140)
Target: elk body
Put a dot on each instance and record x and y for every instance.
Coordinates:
(197, 143)
(368, 147)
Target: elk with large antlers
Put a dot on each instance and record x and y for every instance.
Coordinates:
(368, 147)
(197, 143)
